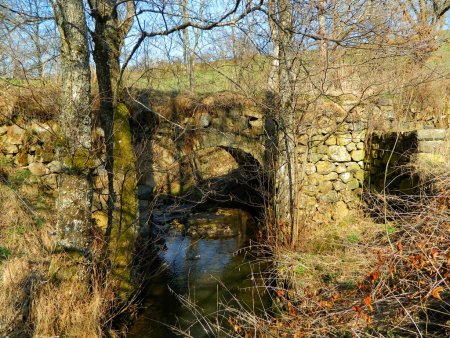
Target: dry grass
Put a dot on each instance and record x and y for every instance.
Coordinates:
(361, 279)
(30, 101)
(43, 293)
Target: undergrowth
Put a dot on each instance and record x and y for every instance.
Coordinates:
(43, 293)
(357, 278)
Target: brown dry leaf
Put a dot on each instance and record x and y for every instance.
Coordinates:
(434, 253)
(373, 276)
(436, 292)
(368, 302)
(357, 309)
(292, 310)
(400, 247)
(298, 334)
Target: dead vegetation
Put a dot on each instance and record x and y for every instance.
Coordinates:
(357, 278)
(42, 292)
(22, 103)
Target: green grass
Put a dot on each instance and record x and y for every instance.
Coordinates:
(224, 75)
(4, 253)
(20, 176)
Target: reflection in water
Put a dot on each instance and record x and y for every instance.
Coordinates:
(196, 269)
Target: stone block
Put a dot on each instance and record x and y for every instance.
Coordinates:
(359, 175)
(345, 177)
(340, 211)
(325, 187)
(55, 167)
(344, 139)
(9, 148)
(341, 168)
(324, 167)
(353, 167)
(338, 154)
(38, 169)
(430, 147)
(360, 145)
(431, 134)
(314, 179)
(310, 190)
(15, 135)
(358, 135)
(316, 157)
(51, 181)
(322, 149)
(21, 159)
(351, 146)
(303, 140)
(330, 197)
(310, 168)
(330, 141)
(317, 139)
(353, 184)
(332, 176)
(357, 155)
(338, 185)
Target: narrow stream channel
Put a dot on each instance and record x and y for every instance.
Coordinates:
(207, 272)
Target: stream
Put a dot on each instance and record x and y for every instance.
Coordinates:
(209, 272)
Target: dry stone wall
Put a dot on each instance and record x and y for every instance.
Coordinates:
(32, 147)
(332, 171)
(334, 165)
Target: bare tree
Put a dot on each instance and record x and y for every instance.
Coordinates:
(75, 192)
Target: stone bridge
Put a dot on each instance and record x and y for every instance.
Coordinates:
(203, 146)
(337, 159)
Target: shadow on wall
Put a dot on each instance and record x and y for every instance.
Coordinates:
(389, 163)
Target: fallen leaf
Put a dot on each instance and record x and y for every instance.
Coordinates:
(436, 292)
(368, 302)
(400, 247)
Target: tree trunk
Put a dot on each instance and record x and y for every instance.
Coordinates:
(75, 188)
(187, 50)
(108, 38)
(323, 41)
(282, 80)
